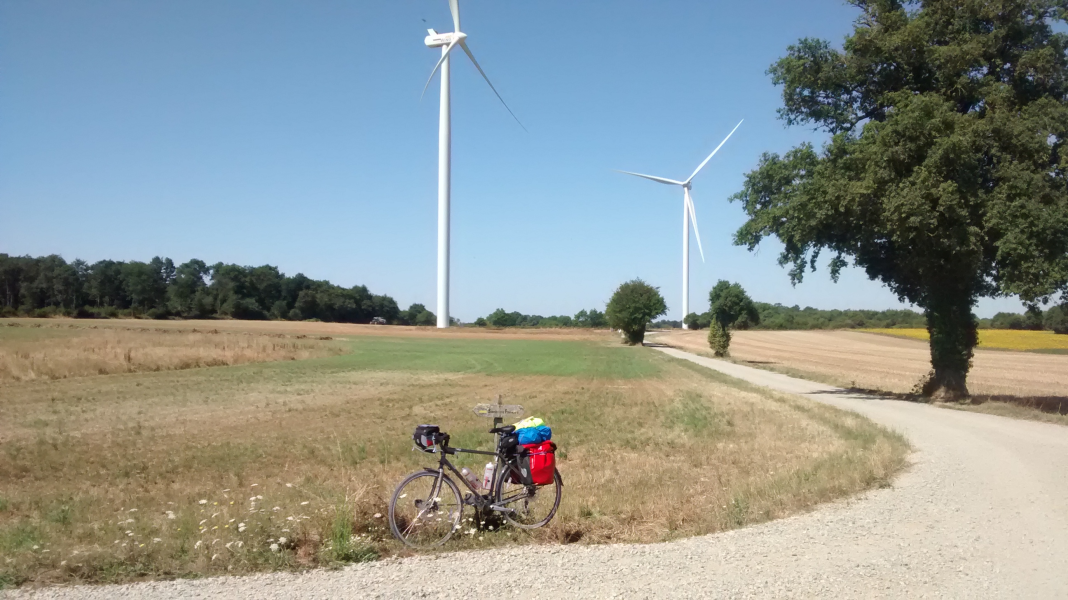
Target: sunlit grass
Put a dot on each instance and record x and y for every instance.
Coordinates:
(1003, 339)
(289, 465)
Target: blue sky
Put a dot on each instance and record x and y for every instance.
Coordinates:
(293, 134)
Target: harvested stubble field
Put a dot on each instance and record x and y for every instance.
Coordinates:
(1001, 381)
(199, 471)
(57, 350)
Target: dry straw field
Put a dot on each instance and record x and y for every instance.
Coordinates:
(894, 364)
(54, 351)
(288, 464)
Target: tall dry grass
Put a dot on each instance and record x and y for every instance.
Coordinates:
(290, 465)
(83, 351)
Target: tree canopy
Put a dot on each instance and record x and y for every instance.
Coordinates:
(633, 305)
(49, 285)
(945, 176)
(500, 318)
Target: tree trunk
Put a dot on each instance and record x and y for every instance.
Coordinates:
(636, 337)
(954, 334)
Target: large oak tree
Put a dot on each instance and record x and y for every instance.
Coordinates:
(945, 177)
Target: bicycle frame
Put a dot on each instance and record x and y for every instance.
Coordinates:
(479, 500)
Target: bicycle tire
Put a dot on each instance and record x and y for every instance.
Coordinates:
(396, 521)
(503, 478)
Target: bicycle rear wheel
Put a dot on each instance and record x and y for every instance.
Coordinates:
(530, 506)
(425, 510)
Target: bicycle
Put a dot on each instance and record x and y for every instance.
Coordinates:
(427, 508)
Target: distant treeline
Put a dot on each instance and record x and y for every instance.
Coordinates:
(777, 316)
(583, 318)
(50, 286)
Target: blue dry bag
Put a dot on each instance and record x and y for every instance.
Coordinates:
(535, 435)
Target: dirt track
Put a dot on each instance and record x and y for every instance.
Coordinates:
(880, 362)
(983, 513)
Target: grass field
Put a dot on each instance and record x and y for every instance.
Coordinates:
(1003, 339)
(1019, 384)
(56, 351)
(195, 472)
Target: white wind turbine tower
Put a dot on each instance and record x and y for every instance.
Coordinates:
(448, 41)
(688, 216)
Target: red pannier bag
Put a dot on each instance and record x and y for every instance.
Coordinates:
(537, 462)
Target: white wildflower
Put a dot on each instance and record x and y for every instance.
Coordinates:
(202, 502)
(305, 503)
(170, 515)
(197, 545)
(276, 508)
(282, 540)
(289, 485)
(378, 515)
(156, 540)
(274, 547)
(240, 527)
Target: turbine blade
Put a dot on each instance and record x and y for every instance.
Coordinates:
(702, 165)
(455, 8)
(693, 219)
(436, 67)
(654, 178)
(463, 45)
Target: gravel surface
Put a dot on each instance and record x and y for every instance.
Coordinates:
(983, 512)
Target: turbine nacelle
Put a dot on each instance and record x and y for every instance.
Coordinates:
(437, 40)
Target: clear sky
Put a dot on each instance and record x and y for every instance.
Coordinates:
(293, 134)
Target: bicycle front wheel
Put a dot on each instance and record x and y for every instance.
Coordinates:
(529, 506)
(425, 510)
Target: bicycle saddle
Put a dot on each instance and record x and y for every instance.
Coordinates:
(503, 430)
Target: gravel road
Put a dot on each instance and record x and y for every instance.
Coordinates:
(982, 513)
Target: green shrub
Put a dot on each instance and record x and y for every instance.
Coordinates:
(633, 305)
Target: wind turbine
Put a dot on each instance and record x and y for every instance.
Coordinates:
(689, 215)
(448, 41)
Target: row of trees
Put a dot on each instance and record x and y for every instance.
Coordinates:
(592, 318)
(777, 316)
(49, 285)
(1055, 319)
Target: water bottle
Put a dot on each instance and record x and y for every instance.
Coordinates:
(487, 477)
(469, 475)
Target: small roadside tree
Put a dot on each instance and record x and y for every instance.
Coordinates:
(634, 304)
(692, 321)
(729, 304)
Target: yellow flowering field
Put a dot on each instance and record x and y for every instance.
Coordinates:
(1005, 339)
